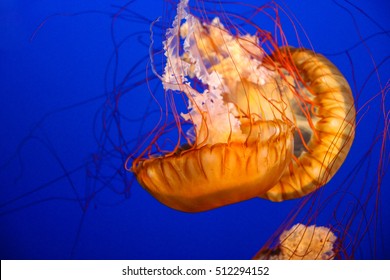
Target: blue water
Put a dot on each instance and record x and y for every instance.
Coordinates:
(57, 65)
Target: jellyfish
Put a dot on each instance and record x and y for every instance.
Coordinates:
(276, 126)
(303, 242)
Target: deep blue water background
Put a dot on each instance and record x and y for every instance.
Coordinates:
(52, 87)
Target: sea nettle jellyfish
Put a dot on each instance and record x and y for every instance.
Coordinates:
(266, 119)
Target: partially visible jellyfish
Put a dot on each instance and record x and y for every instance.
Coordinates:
(274, 125)
(303, 243)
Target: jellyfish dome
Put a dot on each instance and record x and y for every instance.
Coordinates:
(303, 242)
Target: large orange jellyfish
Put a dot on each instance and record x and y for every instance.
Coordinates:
(268, 121)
